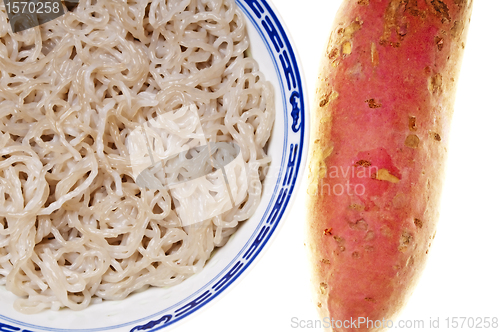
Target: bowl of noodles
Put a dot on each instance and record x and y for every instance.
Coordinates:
(149, 150)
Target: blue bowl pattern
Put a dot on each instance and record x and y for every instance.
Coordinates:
(272, 32)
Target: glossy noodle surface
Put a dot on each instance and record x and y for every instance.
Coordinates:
(75, 226)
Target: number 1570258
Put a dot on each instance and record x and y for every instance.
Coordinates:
(24, 7)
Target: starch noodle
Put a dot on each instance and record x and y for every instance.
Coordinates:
(75, 227)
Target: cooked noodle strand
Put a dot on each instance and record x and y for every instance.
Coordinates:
(75, 225)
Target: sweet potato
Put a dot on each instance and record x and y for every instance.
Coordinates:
(381, 119)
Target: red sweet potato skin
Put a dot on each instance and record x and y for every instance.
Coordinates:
(381, 118)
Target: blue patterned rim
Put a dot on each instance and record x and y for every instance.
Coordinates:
(263, 18)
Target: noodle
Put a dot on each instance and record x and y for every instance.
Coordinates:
(76, 227)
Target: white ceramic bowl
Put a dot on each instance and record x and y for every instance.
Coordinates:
(160, 308)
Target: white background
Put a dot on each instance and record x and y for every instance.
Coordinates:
(462, 277)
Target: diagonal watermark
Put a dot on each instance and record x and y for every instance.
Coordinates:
(171, 152)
